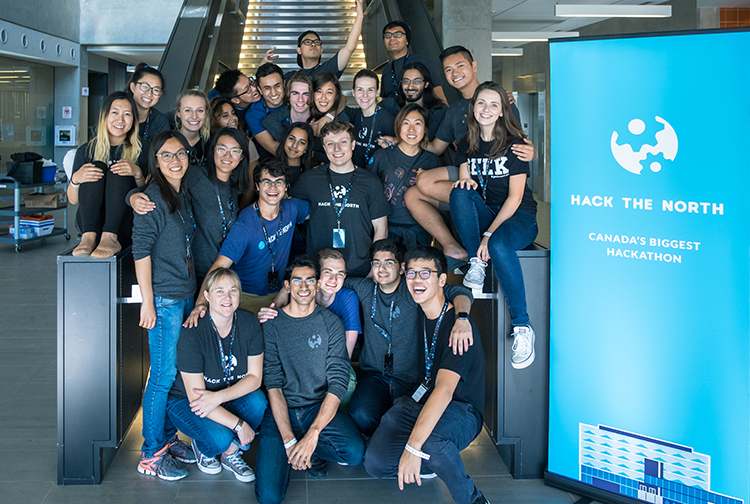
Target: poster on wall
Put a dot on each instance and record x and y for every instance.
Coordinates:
(650, 271)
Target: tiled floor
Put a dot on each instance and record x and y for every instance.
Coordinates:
(28, 424)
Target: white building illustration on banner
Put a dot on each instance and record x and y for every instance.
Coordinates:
(645, 468)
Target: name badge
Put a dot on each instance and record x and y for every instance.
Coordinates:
(388, 364)
(419, 393)
(273, 281)
(339, 238)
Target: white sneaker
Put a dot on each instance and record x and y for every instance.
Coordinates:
(474, 278)
(237, 465)
(523, 347)
(208, 465)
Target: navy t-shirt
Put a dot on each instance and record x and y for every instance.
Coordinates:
(398, 172)
(496, 173)
(198, 352)
(367, 130)
(331, 65)
(245, 244)
(346, 306)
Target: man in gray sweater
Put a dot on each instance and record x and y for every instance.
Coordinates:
(306, 370)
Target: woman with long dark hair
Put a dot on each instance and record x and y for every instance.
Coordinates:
(106, 168)
(163, 253)
(295, 150)
(496, 208)
(146, 86)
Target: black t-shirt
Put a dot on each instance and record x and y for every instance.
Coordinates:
(277, 122)
(365, 204)
(436, 115)
(453, 123)
(496, 173)
(155, 123)
(393, 69)
(367, 130)
(331, 65)
(198, 352)
(398, 172)
(470, 365)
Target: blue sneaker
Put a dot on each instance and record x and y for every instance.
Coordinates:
(162, 466)
(179, 450)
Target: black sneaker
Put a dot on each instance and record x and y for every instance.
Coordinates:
(319, 469)
(481, 499)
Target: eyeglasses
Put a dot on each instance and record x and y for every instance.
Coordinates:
(275, 183)
(312, 42)
(222, 150)
(393, 34)
(250, 86)
(310, 281)
(388, 263)
(145, 88)
(423, 274)
(416, 82)
(169, 156)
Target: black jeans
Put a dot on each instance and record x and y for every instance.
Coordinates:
(101, 204)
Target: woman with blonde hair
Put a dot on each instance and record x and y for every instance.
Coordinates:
(191, 117)
(104, 170)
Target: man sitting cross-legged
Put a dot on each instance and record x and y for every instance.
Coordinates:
(443, 414)
(306, 373)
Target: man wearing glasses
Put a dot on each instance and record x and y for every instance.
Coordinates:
(390, 354)
(310, 50)
(397, 36)
(425, 431)
(257, 247)
(305, 369)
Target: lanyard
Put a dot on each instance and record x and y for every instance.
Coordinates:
(194, 153)
(386, 334)
(368, 146)
(429, 354)
(227, 361)
(346, 195)
(188, 237)
(276, 235)
(225, 224)
(393, 72)
(482, 183)
(145, 128)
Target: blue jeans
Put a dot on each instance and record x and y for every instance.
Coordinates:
(339, 441)
(457, 428)
(162, 347)
(514, 234)
(374, 395)
(211, 437)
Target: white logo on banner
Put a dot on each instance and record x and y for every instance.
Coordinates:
(666, 144)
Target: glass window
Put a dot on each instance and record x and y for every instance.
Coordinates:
(27, 113)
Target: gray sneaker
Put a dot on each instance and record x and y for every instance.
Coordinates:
(474, 278)
(523, 347)
(237, 465)
(208, 465)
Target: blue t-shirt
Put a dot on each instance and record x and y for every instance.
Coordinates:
(246, 247)
(255, 115)
(346, 306)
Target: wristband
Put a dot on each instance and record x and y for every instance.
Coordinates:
(291, 443)
(74, 186)
(238, 427)
(330, 115)
(487, 234)
(418, 453)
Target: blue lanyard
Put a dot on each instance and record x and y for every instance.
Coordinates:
(482, 183)
(277, 235)
(429, 354)
(188, 237)
(393, 72)
(225, 224)
(227, 361)
(385, 333)
(368, 146)
(346, 195)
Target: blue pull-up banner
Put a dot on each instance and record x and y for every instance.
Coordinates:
(650, 272)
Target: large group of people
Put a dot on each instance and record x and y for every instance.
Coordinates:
(279, 233)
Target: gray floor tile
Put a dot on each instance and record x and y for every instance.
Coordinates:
(29, 466)
(230, 492)
(23, 492)
(371, 490)
(149, 490)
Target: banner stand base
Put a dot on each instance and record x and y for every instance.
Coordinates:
(585, 490)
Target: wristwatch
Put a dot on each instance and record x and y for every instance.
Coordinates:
(238, 427)
(462, 315)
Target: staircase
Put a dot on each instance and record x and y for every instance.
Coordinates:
(278, 23)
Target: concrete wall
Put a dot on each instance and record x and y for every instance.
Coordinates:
(56, 17)
(134, 22)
